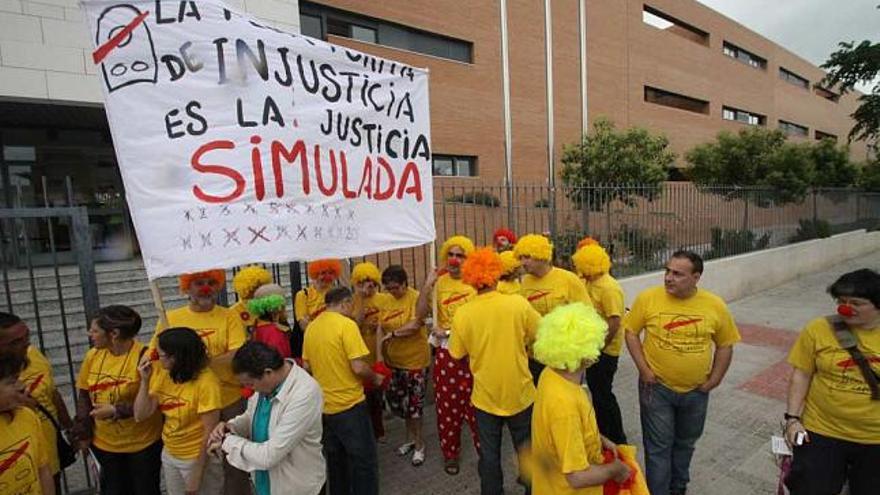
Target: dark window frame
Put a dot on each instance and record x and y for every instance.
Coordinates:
(793, 129)
(826, 93)
(685, 30)
(737, 112)
(663, 98)
(819, 135)
(793, 78)
(743, 56)
(456, 159)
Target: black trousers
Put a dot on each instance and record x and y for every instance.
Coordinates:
(821, 466)
(136, 473)
(350, 450)
(600, 379)
(490, 427)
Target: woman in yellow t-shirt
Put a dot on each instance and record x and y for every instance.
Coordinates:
(832, 421)
(107, 385)
(187, 393)
(24, 455)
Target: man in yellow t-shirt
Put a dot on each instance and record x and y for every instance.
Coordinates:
(335, 353)
(593, 264)
(687, 348)
(509, 281)
(24, 456)
(544, 285)
(308, 302)
(493, 330)
(453, 381)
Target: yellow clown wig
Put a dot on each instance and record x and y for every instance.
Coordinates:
(570, 335)
(187, 279)
(249, 279)
(317, 267)
(365, 271)
(591, 260)
(482, 268)
(534, 246)
(509, 262)
(461, 241)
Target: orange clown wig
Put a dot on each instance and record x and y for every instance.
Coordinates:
(586, 241)
(482, 268)
(187, 279)
(317, 267)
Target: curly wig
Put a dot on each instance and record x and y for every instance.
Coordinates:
(591, 260)
(509, 262)
(506, 233)
(187, 279)
(365, 271)
(248, 279)
(318, 266)
(482, 268)
(461, 241)
(568, 335)
(261, 306)
(586, 241)
(534, 246)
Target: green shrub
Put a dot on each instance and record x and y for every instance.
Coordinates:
(811, 229)
(731, 242)
(475, 198)
(643, 246)
(542, 203)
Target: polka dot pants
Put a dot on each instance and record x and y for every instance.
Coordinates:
(453, 384)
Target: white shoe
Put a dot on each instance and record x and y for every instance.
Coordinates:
(418, 457)
(406, 448)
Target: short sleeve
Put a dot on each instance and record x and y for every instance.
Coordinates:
(208, 393)
(353, 342)
(568, 442)
(579, 290)
(727, 333)
(612, 301)
(532, 320)
(235, 334)
(82, 379)
(300, 305)
(456, 345)
(803, 353)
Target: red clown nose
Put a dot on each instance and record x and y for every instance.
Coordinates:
(328, 277)
(846, 310)
(154, 356)
(246, 393)
(455, 262)
(205, 290)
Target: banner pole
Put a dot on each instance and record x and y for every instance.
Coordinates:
(434, 289)
(160, 306)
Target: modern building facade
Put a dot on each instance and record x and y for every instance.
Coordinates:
(500, 112)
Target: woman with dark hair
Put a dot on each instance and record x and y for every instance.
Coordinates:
(107, 385)
(833, 417)
(187, 393)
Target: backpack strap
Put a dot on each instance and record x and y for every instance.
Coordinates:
(850, 342)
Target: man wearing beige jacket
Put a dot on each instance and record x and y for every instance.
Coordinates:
(278, 438)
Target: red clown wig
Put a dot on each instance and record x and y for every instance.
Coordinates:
(187, 279)
(317, 267)
(505, 233)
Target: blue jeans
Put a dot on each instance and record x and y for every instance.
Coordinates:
(489, 427)
(672, 423)
(350, 450)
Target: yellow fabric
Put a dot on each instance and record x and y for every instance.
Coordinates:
(331, 342)
(40, 384)
(182, 404)
(411, 352)
(309, 302)
(222, 332)
(839, 402)
(451, 295)
(607, 297)
(565, 437)
(509, 287)
(556, 288)
(113, 379)
(368, 326)
(240, 308)
(493, 325)
(679, 334)
(23, 447)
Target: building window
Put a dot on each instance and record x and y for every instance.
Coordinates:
(826, 93)
(792, 129)
(824, 135)
(674, 100)
(666, 22)
(792, 78)
(744, 56)
(319, 21)
(728, 113)
(455, 166)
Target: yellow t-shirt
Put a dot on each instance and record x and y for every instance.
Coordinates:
(451, 294)
(556, 288)
(680, 333)
(248, 321)
(40, 385)
(411, 352)
(222, 332)
(309, 302)
(509, 286)
(370, 322)
(331, 342)
(565, 437)
(181, 404)
(607, 297)
(113, 379)
(23, 450)
(494, 330)
(839, 401)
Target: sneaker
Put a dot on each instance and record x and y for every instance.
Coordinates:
(406, 448)
(418, 457)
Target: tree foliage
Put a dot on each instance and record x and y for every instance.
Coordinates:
(869, 177)
(616, 158)
(855, 64)
(832, 165)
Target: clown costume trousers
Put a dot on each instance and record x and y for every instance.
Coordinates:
(453, 384)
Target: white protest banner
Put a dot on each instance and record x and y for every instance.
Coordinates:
(240, 143)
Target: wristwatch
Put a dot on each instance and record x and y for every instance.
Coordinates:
(789, 417)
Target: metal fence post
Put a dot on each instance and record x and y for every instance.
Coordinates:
(82, 243)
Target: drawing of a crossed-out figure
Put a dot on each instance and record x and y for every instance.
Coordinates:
(125, 47)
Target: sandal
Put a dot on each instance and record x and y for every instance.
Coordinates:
(418, 457)
(451, 467)
(406, 448)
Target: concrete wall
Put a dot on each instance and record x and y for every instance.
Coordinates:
(740, 276)
(45, 47)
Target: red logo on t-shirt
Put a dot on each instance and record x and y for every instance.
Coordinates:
(672, 325)
(393, 315)
(454, 298)
(12, 459)
(99, 387)
(538, 295)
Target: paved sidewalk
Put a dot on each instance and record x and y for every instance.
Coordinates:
(732, 458)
